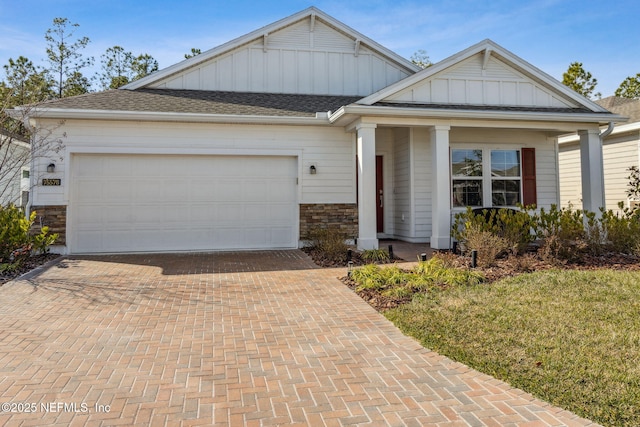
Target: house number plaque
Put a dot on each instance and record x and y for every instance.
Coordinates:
(51, 181)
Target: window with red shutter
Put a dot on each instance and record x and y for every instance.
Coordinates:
(529, 191)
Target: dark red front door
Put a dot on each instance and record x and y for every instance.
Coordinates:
(379, 196)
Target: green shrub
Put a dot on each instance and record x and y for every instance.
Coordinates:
(562, 232)
(440, 272)
(516, 229)
(395, 282)
(329, 243)
(488, 245)
(17, 242)
(622, 230)
(375, 255)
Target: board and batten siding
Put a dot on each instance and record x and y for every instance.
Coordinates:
(330, 149)
(471, 82)
(295, 60)
(619, 153)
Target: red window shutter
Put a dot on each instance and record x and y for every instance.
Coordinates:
(529, 192)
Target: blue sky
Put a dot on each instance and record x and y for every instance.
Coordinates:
(550, 34)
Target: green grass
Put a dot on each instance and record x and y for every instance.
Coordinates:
(571, 338)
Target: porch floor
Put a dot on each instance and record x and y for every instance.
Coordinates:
(407, 251)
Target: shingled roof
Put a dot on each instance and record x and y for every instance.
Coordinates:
(485, 107)
(624, 106)
(203, 102)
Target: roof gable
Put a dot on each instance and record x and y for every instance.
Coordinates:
(483, 75)
(306, 53)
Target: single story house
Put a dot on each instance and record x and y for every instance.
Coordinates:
(621, 150)
(307, 123)
(14, 169)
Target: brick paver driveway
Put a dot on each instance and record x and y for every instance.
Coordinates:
(227, 339)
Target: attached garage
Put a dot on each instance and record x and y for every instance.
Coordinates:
(145, 203)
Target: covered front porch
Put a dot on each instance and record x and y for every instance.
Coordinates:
(414, 175)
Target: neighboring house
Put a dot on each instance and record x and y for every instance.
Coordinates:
(14, 170)
(305, 123)
(621, 150)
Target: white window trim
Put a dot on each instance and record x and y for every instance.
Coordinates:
(486, 178)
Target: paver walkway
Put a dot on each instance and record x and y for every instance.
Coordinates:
(261, 338)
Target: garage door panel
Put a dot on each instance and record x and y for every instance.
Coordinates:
(117, 189)
(147, 190)
(256, 190)
(91, 190)
(168, 203)
(118, 215)
(228, 190)
(281, 235)
(90, 216)
(176, 191)
(118, 166)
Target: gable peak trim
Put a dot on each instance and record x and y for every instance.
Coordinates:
(312, 13)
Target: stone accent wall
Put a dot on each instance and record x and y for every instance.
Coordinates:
(343, 216)
(55, 217)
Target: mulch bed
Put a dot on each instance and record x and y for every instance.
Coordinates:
(28, 265)
(503, 268)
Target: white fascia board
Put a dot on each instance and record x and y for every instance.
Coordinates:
(630, 127)
(259, 33)
(367, 110)
(320, 119)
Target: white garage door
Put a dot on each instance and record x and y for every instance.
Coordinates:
(129, 203)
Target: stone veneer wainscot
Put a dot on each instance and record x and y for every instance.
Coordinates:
(342, 216)
(54, 217)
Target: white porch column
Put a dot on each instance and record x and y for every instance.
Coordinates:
(366, 149)
(592, 170)
(441, 188)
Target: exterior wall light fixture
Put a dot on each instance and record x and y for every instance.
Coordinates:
(51, 168)
(312, 170)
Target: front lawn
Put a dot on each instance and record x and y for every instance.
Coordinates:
(569, 337)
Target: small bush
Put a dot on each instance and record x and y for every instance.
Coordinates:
(622, 230)
(562, 232)
(489, 246)
(329, 243)
(17, 242)
(393, 282)
(375, 255)
(517, 229)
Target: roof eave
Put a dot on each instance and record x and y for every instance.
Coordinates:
(80, 114)
(365, 110)
(626, 128)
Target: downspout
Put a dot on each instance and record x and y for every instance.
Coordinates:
(606, 132)
(603, 135)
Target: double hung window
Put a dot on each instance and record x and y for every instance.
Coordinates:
(486, 177)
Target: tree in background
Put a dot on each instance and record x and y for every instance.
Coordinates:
(65, 57)
(143, 65)
(116, 67)
(120, 67)
(580, 80)
(25, 83)
(194, 52)
(421, 59)
(629, 88)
